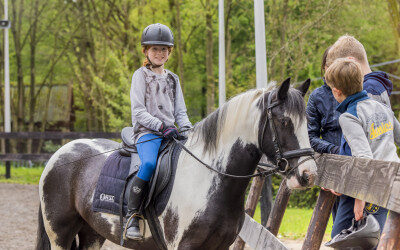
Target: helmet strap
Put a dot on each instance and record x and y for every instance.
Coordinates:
(152, 64)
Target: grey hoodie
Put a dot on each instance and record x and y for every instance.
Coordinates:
(156, 99)
(369, 128)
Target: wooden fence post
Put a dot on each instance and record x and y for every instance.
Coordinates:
(250, 207)
(279, 208)
(390, 238)
(319, 221)
(8, 164)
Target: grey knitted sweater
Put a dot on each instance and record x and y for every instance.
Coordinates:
(156, 98)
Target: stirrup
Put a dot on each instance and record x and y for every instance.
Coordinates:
(130, 219)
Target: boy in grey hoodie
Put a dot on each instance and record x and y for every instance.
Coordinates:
(369, 130)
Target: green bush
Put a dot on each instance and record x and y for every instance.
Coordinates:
(298, 199)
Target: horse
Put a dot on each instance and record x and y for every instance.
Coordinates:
(206, 208)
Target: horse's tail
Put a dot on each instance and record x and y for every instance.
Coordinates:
(42, 241)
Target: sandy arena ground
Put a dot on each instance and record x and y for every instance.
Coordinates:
(19, 207)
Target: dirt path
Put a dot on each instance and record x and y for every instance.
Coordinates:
(18, 209)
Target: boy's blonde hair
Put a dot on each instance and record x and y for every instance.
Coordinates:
(345, 75)
(347, 46)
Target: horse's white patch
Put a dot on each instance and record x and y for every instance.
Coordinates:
(244, 116)
(189, 195)
(309, 166)
(111, 219)
(95, 246)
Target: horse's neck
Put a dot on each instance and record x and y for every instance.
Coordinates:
(236, 158)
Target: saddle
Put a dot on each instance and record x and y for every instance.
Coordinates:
(162, 174)
(115, 182)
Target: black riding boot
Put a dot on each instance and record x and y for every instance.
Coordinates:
(134, 202)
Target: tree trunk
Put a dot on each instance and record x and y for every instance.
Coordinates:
(179, 43)
(283, 37)
(17, 11)
(395, 19)
(228, 50)
(210, 93)
(32, 99)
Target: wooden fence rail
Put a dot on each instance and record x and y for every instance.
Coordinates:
(48, 135)
(44, 136)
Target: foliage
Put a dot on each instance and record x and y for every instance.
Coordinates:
(298, 199)
(51, 147)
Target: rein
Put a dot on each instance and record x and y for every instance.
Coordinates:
(264, 166)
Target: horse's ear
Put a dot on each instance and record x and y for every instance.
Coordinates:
(283, 89)
(303, 88)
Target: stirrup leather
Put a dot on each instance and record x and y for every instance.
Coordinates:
(130, 219)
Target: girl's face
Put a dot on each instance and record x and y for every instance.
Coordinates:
(158, 54)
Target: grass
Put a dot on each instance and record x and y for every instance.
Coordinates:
(294, 224)
(21, 175)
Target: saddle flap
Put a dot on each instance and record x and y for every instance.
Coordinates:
(161, 175)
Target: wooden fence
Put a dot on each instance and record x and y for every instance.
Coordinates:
(374, 181)
(7, 157)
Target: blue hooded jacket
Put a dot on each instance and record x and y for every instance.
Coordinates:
(378, 86)
(323, 121)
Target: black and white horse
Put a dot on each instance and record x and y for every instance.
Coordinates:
(205, 209)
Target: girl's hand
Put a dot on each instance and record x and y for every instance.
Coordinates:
(358, 209)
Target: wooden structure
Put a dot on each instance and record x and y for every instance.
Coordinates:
(374, 181)
(258, 237)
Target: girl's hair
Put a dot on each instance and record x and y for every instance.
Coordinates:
(146, 47)
(323, 64)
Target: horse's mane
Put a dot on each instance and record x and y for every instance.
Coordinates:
(209, 129)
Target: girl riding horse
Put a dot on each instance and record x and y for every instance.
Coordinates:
(157, 103)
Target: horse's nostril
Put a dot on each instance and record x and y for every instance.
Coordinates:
(308, 177)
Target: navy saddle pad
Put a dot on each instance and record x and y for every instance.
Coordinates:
(117, 174)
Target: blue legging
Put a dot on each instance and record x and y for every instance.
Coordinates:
(148, 153)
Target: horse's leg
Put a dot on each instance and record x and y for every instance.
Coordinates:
(89, 239)
(62, 228)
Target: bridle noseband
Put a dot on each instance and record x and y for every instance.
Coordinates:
(281, 159)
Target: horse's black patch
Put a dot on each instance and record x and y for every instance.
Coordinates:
(225, 207)
(171, 219)
(210, 127)
(293, 104)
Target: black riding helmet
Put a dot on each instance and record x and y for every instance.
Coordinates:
(363, 234)
(157, 34)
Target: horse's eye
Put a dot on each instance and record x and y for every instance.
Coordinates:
(284, 122)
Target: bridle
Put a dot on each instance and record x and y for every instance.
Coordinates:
(267, 168)
(281, 159)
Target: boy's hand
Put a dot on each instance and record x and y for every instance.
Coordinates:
(358, 209)
(331, 190)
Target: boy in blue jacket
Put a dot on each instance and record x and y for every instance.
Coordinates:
(369, 130)
(377, 83)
